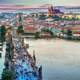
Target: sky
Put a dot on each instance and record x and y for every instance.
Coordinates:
(41, 2)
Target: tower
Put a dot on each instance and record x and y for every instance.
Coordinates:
(50, 11)
(19, 19)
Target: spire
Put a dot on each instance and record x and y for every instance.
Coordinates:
(50, 10)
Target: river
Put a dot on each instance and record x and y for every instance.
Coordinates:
(2, 59)
(60, 59)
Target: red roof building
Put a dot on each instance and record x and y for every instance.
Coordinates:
(30, 29)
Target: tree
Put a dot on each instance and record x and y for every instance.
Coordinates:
(69, 32)
(20, 29)
(56, 17)
(7, 75)
(37, 35)
(42, 17)
(2, 32)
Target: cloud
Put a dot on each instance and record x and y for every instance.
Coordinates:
(35, 2)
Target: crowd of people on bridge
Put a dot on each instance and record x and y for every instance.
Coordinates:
(24, 64)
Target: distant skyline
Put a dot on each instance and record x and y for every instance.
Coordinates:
(42, 2)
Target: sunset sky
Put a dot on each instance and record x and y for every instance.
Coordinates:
(41, 2)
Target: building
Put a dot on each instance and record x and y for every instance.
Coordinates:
(69, 9)
(30, 29)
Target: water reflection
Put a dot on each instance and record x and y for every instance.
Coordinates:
(60, 59)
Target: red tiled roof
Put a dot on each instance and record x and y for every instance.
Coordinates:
(30, 28)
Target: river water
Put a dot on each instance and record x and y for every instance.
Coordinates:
(2, 59)
(60, 59)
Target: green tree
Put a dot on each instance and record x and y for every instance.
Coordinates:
(2, 32)
(42, 17)
(7, 75)
(37, 35)
(20, 29)
(56, 17)
(69, 32)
